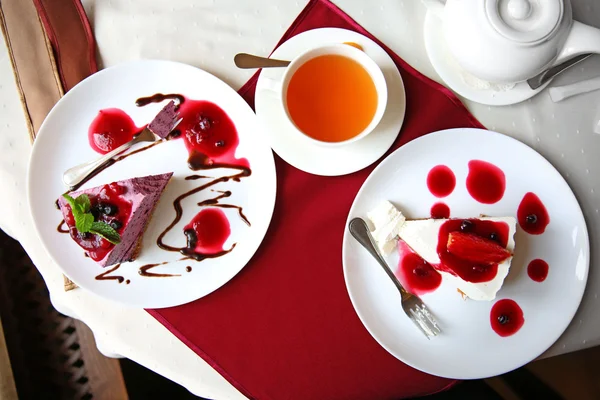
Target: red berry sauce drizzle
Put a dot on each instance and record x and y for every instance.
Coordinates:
(538, 270)
(506, 317)
(441, 181)
(486, 182)
(415, 274)
(111, 128)
(467, 270)
(532, 215)
(440, 210)
(211, 139)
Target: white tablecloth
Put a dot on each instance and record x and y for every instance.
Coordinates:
(207, 34)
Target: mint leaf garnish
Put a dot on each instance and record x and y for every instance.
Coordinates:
(75, 209)
(106, 231)
(69, 199)
(73, 203)
(83, 201)
(84, 220)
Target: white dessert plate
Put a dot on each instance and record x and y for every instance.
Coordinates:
(462, 82)
(468, 348)
(62, 142)
(321, 160)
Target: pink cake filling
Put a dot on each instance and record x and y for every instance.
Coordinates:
(127, 206)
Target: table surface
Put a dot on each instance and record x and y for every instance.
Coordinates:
(207, 34)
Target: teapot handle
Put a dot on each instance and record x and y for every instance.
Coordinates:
(435, 6)
(581, 39)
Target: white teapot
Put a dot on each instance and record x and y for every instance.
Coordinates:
(508, 41)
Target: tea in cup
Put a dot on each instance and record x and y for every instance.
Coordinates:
(333, 95)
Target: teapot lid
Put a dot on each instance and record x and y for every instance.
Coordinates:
(525, 21)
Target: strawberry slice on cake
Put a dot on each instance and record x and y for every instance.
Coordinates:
(108, 221)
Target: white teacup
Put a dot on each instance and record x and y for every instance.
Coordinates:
(343, 50)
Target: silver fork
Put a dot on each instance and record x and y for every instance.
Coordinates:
(411, 304)
(77, 174)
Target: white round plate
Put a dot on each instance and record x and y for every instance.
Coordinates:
(62, 143)
(468, 348)
(455, 77)
(320, 160)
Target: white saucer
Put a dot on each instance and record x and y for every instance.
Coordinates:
(316, 159)
(455, 77)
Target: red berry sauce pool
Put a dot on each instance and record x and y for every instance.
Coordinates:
(209, 134)
(467, 270)
(506, 317)
(111, 128)
(207, 232)
(440, 210)
(532, 215)
(415, 274)
(441, 181)
(486, 183)
(209, 131)
(538, 270)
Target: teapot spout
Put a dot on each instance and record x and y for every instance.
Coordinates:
(435, 6)
(581, 39)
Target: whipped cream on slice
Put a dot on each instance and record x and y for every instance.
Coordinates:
(387, 220)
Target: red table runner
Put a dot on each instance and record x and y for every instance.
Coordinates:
(284, 327)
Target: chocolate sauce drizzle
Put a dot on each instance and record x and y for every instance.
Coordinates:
(112, 161)
(175, 133)
(214, 202)
(198, 161)
(195, 177)
(193, 255)
(105, 277)
(124, 156)
(158, 97)
(143, 271)
(60, 228)
(116, 159)
(101, 168)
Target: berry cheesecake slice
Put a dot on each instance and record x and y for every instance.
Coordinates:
(473, 254)
(108, 221)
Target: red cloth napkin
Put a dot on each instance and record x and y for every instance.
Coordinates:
(69, 31)
(284, 327)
